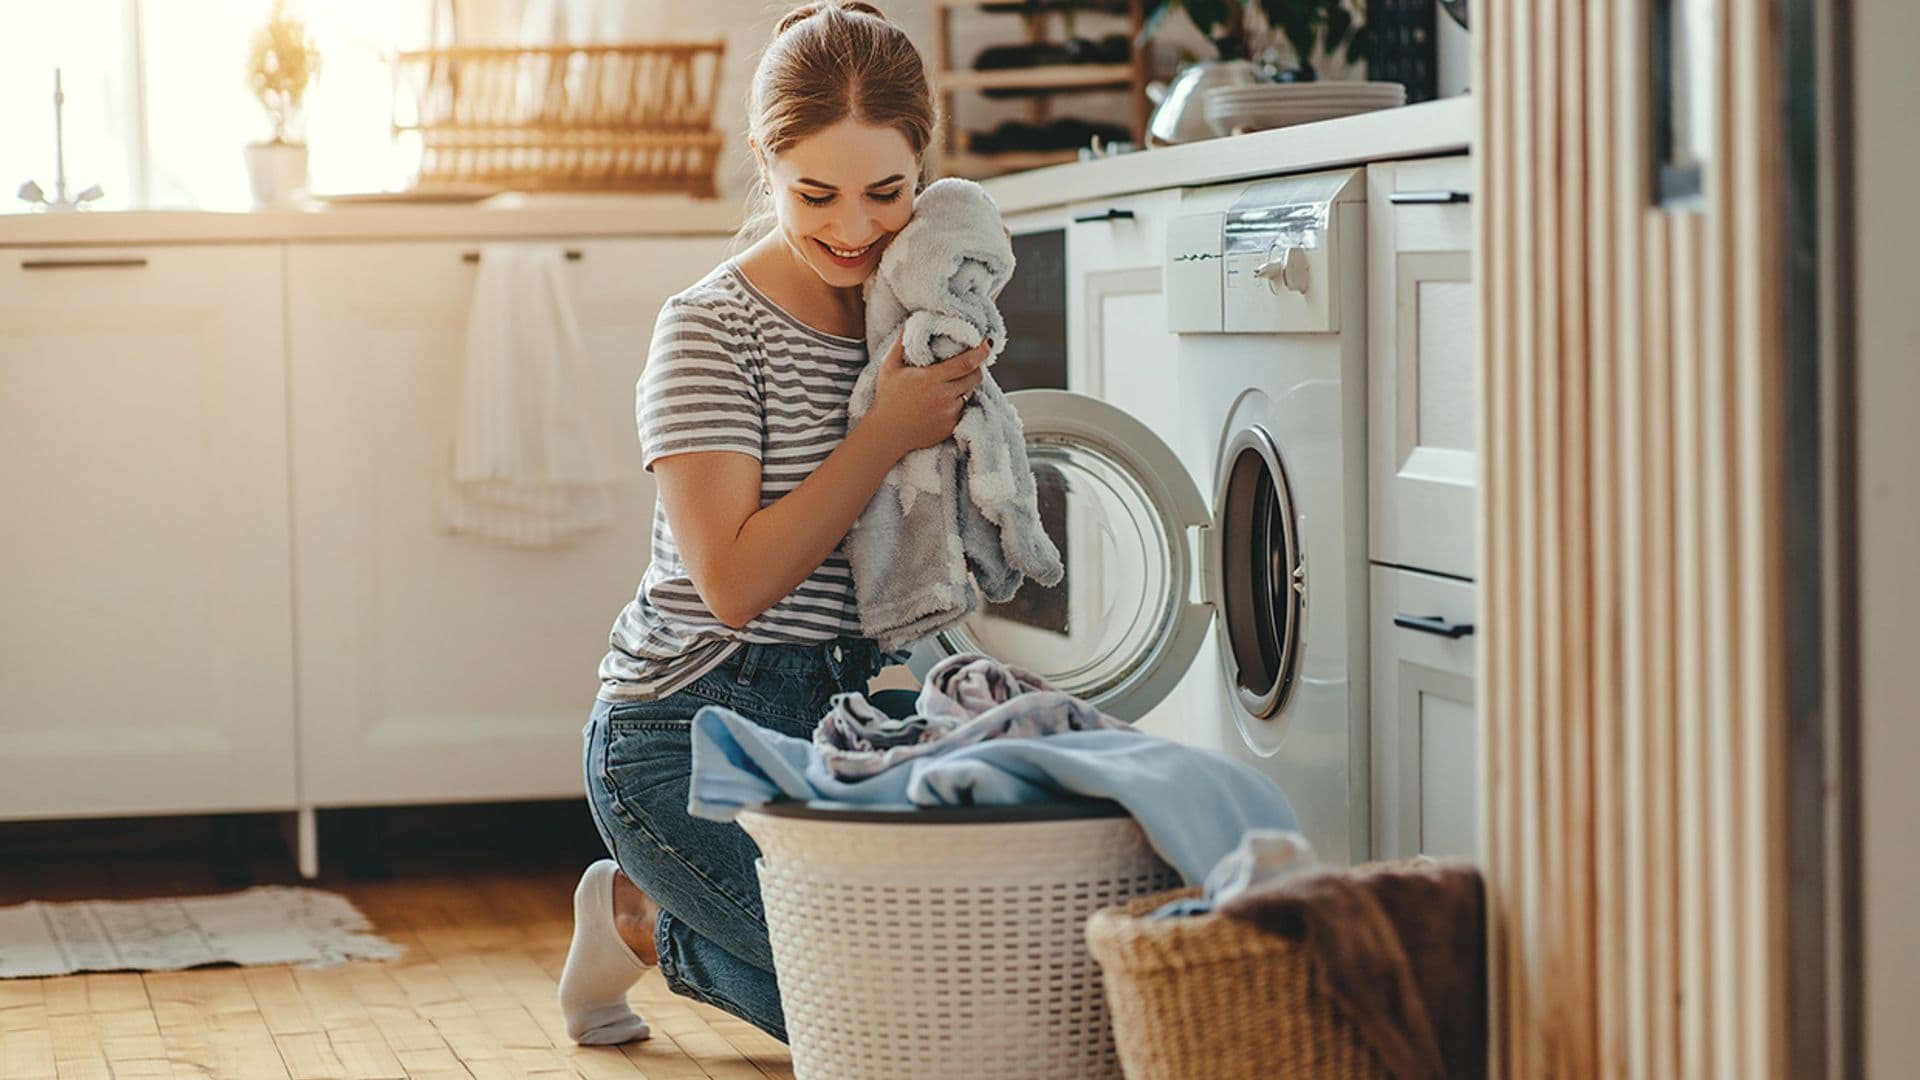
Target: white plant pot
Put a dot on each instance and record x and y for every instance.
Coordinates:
(278, 172)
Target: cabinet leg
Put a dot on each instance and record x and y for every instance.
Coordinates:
(307, 842)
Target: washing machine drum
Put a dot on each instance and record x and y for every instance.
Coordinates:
(1122, 628)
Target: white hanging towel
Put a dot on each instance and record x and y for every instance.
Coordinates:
(525, 470)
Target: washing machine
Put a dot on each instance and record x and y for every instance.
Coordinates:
(1216, 552)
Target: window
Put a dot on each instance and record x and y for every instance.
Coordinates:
(91, 42)
(157, 103)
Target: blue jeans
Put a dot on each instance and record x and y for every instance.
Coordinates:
(712, 932)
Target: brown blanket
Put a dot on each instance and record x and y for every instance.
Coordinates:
(1401, 949)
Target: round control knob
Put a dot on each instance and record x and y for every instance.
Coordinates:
(1285, 268)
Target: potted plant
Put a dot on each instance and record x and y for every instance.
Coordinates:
(1310, 27)
(283, 61)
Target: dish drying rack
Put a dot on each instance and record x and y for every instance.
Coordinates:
(634, 117)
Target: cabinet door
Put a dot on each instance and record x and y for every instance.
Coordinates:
(147, 641)
(1426, 728)
(434, 667)
(1119, 349)
(1422, 375)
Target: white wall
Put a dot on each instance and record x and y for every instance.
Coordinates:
(1887, 234)
(749, 23)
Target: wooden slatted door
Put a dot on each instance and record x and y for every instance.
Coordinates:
(1632, 666)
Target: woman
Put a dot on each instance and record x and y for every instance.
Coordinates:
(748, 603)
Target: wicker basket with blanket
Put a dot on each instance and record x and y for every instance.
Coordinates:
(1377, 971)
(1206, 995)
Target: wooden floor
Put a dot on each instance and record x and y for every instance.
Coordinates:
(473, 998)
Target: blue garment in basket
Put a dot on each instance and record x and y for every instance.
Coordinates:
(1193, 804)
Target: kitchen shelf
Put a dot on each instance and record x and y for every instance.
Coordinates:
(1037, 85)
(1054, 77)
(975, 166)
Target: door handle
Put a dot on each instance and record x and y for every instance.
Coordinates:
(1110, 215)
(1434, 624)
(1418, 198)
(473, 256)
(82, 264)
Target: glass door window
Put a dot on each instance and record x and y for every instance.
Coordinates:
(1127, 626)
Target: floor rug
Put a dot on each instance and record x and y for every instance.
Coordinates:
(269, 924)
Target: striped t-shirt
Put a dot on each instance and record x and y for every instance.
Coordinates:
(729, 370)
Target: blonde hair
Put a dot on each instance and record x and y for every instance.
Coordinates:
(830, 62)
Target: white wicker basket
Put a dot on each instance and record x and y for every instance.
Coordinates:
(946, 943)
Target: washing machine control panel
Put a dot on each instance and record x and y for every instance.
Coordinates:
(1192, 274)
(1264, 262)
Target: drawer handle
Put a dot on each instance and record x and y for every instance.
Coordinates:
(1424, 198)
(82, 264)
(474, 256)
(1110, 215)
(1434, 624)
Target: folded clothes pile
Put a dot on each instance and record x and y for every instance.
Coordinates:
(1066, 133)
(1112, 49)
(986, 734)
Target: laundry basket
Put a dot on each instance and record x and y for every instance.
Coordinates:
(946, 942)
(1209, 996)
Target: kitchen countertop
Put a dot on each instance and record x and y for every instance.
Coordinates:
(504, 216)
(1431, 127)
(1434, 127)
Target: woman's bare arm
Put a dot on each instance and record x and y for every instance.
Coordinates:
(745, 559)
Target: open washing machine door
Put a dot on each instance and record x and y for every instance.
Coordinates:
(1122, 627)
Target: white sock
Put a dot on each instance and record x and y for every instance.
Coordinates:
(600, 968)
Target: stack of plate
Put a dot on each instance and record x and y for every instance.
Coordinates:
(1231, 109)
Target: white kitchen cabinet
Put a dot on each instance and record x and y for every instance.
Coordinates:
(1421, 372)
(1426, 795)
(1119, 348)
(147, 644)
(434, 667)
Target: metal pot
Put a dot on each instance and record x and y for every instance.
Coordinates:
(1177, 115)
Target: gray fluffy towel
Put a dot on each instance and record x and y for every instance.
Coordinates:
(968, 503)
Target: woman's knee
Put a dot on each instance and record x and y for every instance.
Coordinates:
(720, 902)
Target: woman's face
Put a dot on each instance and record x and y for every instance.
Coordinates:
(841, 194)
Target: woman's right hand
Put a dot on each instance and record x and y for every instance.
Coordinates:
(920, 406)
